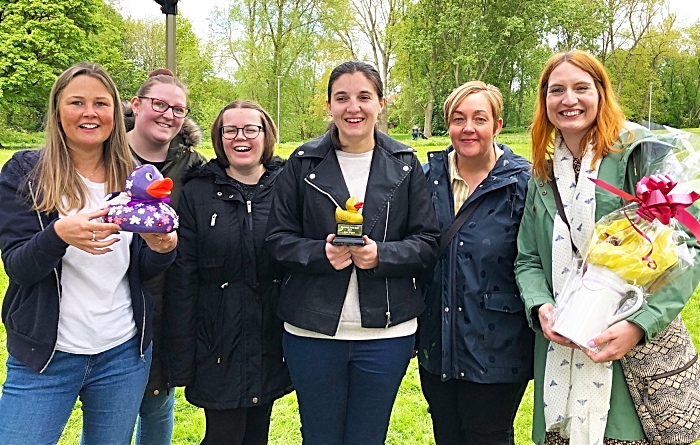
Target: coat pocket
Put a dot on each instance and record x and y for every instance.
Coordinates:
(507, 340)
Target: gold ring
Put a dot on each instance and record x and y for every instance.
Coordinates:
(160, 240)
(93, 237)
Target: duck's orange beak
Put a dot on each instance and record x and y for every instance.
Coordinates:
(359, 205)
(160, 188)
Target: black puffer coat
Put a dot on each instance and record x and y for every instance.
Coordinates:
(225, 337)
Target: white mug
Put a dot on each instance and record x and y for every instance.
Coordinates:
(589, 305)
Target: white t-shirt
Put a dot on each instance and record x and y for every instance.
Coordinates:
(95, 310)
(355, 168)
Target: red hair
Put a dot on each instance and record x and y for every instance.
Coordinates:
(606, 128)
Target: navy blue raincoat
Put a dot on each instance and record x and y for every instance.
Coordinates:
(474, 327)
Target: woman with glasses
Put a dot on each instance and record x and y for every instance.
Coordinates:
(226, 341)
(161, 134)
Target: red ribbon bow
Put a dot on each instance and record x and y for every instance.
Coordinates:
(656, 201)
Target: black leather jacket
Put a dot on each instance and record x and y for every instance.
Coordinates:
(398, 216)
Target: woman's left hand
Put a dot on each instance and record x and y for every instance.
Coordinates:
(620, 338)
(160, 242)
(365, 257)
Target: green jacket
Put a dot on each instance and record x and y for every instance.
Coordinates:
(533, 267)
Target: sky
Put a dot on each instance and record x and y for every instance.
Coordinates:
(197, 11)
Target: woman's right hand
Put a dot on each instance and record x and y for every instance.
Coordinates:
(339, 256)
(545, 314)
(83, 232)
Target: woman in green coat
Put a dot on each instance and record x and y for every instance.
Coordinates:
(579, 131)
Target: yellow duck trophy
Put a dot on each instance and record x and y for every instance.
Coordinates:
(349, 221)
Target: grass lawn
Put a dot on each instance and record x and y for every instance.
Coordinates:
(410, 421)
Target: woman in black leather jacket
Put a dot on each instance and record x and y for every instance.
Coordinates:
(350, 311)
(226, 345)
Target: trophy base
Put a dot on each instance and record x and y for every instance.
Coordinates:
(348, 241)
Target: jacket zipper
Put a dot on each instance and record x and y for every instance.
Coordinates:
(325, 193)
(386, 279)
(249, 206)
(143, 326)
(648, 380)
(58, 281)
(213, 220)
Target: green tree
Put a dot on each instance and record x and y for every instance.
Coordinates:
(38, 40)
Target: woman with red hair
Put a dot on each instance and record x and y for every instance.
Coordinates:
(579, 132)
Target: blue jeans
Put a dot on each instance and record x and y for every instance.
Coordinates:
(346, 389)
(34, 407)
(156, 419)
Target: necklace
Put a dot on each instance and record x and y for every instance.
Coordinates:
(99, 166)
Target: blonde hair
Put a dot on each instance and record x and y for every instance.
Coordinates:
(493, 95)
(58, 185)
(609, 121)
(161, 75)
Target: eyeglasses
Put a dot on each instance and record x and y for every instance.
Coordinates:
(230, 132)
(161, 106)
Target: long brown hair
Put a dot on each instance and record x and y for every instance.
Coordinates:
(604, 132)
(58, 185)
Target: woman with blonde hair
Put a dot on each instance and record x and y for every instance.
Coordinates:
(475, 365)
(76, 313)
(580, 132)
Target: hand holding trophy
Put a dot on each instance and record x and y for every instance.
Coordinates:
(349, 228)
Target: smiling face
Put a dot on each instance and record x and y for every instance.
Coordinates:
(355, 107)
(473, 128)
(159, 128)
(572, 100)
(244, 155)
(86, 113)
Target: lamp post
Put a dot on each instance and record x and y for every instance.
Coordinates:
(278, 108)
(651, 88)
(169, 8)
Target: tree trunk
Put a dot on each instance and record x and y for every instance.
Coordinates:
(428, 119)
(383, 121)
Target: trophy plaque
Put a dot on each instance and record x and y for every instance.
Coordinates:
(349, 224)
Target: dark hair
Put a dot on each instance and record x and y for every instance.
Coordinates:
(352, 67)
(269, 132)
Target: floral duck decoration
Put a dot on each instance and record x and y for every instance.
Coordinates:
(143, 206)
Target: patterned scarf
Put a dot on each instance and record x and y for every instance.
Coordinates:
(576, 390)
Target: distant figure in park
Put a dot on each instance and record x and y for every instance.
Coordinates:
(221, 306)
(77, 315)
(350, 311)
(475, 348)
(415, 132)
(160, 133)
(579, 132)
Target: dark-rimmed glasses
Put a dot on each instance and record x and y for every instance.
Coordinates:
(161, 106)
(250, 131)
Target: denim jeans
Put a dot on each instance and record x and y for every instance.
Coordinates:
(34, 407)
(156, 418)
(346, 388)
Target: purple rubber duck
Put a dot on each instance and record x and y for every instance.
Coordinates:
(143, 206)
